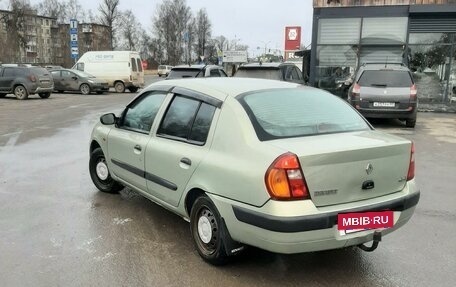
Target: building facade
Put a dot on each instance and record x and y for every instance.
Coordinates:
(29, 38)
(419, 33)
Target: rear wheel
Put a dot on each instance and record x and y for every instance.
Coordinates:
(44, 95)
(119, 87)
(410, 123)
(100, 174)
(205, 226)
(21, 92)
(85, 89)
(133, 89)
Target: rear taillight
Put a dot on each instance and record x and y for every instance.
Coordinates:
(411, 170)
(284, 179)
(355, 91)
(413, 93)
(32, 78)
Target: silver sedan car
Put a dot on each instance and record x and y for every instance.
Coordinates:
(276, 165)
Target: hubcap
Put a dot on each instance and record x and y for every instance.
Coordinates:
(102, 170)
(20, 91)
(204, 229)
(85, 89)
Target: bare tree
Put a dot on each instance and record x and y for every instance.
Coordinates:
(109, 10)
(130, 30)
(53, 8)
(203, 31)
(189, 39)
(169, 24)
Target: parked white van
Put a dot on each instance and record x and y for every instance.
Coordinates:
(122, 69)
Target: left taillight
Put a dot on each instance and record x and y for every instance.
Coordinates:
(411, 170)
(413, 92)
(32, 78)
(285, 180)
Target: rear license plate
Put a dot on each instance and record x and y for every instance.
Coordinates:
(384, 104)
(358, 221)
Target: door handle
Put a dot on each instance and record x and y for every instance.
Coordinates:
(138, 147)
(186, 161)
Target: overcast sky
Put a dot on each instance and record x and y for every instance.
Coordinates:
(253, 22)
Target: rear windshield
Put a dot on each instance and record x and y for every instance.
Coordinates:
(270, 74)
(385, 78)
(162, 67)
(39, 71)
(184, 73)
(283, 113)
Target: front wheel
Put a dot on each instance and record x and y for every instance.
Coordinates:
(85, 89)
(133, 89)
(119, 87)
(44, 95)
(21, 92)
(2, 95)
(205, 226)
(410, 123)
(100, 174)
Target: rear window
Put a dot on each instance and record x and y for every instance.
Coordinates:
(283, 113)
(185, 73)
(385, 78)
(270, 74)
(161, 67)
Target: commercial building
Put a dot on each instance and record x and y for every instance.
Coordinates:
(418, 33)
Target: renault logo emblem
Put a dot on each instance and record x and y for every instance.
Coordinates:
(369, 168)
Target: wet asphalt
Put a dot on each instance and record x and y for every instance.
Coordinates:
(56, 229)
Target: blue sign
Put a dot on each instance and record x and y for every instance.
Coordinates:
(73, 30)
(74, 56)
(73, 43)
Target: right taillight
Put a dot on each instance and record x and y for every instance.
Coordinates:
(411, 170)
(413, 93)
(284, 179)
(32, 78)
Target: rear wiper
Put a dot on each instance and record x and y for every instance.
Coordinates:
(379, 85)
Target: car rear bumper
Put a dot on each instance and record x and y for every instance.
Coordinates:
(40, 90)
(388, 114)
(317, 230)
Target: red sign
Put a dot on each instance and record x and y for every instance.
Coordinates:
(292, 38)
(365, 220)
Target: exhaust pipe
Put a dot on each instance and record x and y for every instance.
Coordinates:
(377, 238)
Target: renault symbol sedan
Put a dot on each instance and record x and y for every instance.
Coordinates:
(271, 164)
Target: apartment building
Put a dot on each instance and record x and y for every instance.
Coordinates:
(419, 33)
(29, 38)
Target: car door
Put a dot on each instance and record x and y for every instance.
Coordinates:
(57, 80)
(65, 81)
(74, 81)
(180, 143)
(7, 79)
(127, 141)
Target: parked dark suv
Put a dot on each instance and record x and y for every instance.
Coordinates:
(24, 81)
(385, 91)
(272, 71)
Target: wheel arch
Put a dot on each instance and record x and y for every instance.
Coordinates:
(94, 145)
(191, 197)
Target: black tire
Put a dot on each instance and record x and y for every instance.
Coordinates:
(44, 95)
(21, 92)
(85, 89)
(107, 184)
(61, 91)
(133, 89)
(211, 248)
(99, 92)
(410, 123)
(119, 87)
(159, 75)
(2, 95)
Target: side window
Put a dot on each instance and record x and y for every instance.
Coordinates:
(140, 116)
(138, 61)
(288, 73)
(215, 73)
(179, 117)
(133, 65)
(222, 73)
(295, 74)
(55, 73)
(202, 123)
(9, 72)
(188, 120)
(80, 67)
(300, 77)
(67, 74)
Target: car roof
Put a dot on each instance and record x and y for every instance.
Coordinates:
(385, 66)
(220, 88)
(265, 65)
(199, 67)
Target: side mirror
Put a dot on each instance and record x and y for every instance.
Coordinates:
(74, 78)
(108, 119)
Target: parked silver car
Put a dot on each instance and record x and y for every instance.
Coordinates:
(276, 165)
(75, 80)
(385, 91)
(194, 71)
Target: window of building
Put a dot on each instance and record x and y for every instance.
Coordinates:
(339, 31)
(384, 31)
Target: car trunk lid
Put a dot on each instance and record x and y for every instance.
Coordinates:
(341, 168)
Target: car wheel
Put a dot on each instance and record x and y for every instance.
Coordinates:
(21, 92)
(159, 75)
(410, 123)
(119, 87)
(44, 95)
(133, 89)
(205, 226)
(99, 173)
(85, 89)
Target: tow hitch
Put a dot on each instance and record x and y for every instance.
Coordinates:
(377, 239)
